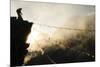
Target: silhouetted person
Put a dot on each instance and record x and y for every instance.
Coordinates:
(19, 31)
(19, 13)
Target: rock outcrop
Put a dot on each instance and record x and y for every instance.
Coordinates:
(19, 32)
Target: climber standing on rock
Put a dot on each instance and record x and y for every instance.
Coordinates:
(19, 13)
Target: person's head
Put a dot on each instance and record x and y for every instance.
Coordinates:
(19, 10)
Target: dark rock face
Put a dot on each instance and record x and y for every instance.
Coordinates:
(19, 32)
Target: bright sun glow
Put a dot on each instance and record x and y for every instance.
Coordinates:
(32, 36)
(37, 36)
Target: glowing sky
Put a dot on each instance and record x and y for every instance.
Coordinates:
(52, 14)
(49, 13)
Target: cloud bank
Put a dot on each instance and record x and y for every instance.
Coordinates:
(64, 38)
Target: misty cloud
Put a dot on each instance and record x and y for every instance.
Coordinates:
(63, 38)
